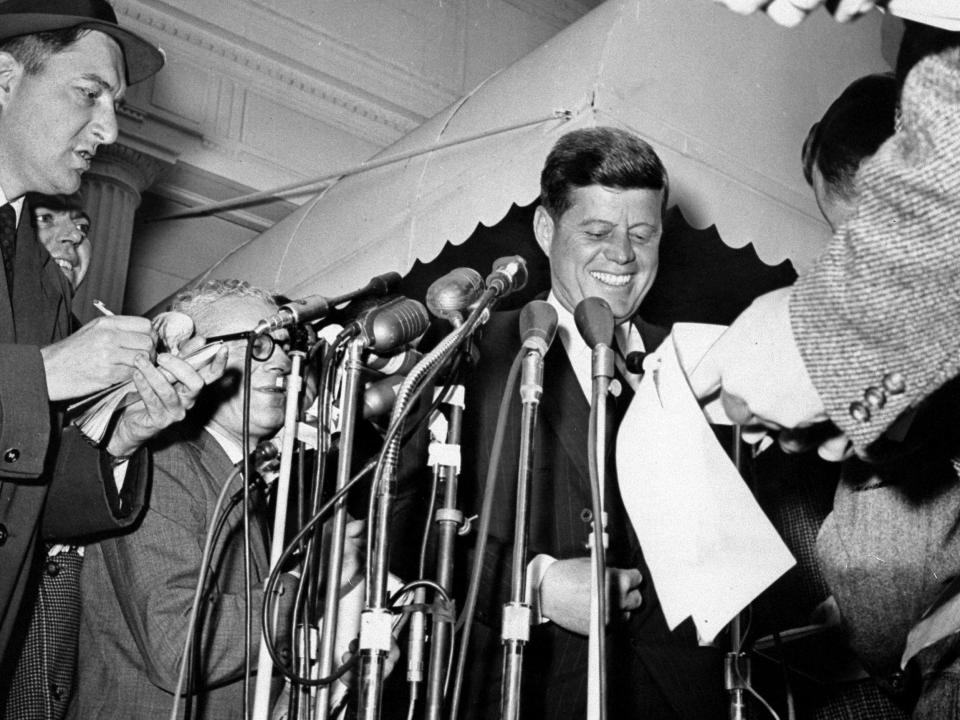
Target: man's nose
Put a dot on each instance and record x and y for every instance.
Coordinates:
(105, 127)
(68, 233)
(619, 248)
(68, 251)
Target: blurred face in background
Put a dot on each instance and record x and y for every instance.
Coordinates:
(65, 235)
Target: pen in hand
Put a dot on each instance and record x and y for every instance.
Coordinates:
(98, 304)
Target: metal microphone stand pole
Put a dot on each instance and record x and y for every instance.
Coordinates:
(261, 703)
(349, 406)
(602, 371)
(737, 664)
(449, 521)
(515, 632)
(376, 626)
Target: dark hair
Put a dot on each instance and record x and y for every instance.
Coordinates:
(852, 129)
(32, 50)
(599, 156)
(60, 202)
(918, 41)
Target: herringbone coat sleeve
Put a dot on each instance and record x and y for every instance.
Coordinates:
(877, 320)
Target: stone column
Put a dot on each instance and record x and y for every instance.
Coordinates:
(111, 195)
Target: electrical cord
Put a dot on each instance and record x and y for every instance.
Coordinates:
(466, 618)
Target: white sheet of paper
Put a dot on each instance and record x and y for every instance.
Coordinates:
(709, 546)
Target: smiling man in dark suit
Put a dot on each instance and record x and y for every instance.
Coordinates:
(603, 193)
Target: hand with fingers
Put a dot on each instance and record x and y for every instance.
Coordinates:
(757, 369)
(565, 593)
(100, 354)
(167, 391)
(792, 12)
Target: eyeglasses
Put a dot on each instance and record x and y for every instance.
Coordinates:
(263, 345)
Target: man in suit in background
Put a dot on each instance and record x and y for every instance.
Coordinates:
(43, 678)
(603, 193)
(870, 330)
(64, 64)
(138, 588)
(63, 228)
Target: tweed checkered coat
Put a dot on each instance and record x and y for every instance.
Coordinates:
(877, 320)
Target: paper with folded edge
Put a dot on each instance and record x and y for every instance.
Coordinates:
(708, 545)
(100, 407)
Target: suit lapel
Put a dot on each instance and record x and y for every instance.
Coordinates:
(218, 466)
(41, 301)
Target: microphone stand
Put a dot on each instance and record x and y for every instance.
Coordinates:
(449, 520)
(261, 704)
(736, 667)
(349, 406)
(515, 632)
(602, 372)
(375, 621)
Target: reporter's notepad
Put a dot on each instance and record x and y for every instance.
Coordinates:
(709, 546)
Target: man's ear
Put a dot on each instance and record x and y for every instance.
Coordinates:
(10, 72)
(543, 229)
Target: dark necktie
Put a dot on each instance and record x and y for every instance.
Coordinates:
(8, 241)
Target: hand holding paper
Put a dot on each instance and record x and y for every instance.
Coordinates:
(165, 392)
(709, 547)
(93, 414)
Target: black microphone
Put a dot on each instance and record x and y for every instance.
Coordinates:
(595, 322)
(538, 325)
(399, 363)
(448, 296)
(317, 307)
(396, 323)
(380, 395)
(509, 275)
(634, 362)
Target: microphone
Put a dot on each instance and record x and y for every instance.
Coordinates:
(397, 364)
(538, 325)
(380, 395)
(634, 362)
(509, 275)
(317, 307)
(395, 323)
(595, 323)
(451, 294)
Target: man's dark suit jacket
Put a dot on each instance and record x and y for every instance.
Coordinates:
(653, 673)
(52, 483)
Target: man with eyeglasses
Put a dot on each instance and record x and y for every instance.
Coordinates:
(138, 589)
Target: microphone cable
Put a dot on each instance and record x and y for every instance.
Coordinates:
(198, 595)
(205, 560)
(483, 526)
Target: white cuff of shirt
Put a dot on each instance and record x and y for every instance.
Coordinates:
(536, 569)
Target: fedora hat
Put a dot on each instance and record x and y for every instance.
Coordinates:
(26, 17)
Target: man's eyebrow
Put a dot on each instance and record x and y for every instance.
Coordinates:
(101, 82)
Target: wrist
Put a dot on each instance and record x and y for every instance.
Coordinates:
(118, 447)
(536, 569)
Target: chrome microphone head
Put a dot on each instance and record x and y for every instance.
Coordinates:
(449, 296)
(396, 323)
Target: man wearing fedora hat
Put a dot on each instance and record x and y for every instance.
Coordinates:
(64, 65)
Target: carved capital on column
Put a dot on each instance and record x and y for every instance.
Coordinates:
(135, 171)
